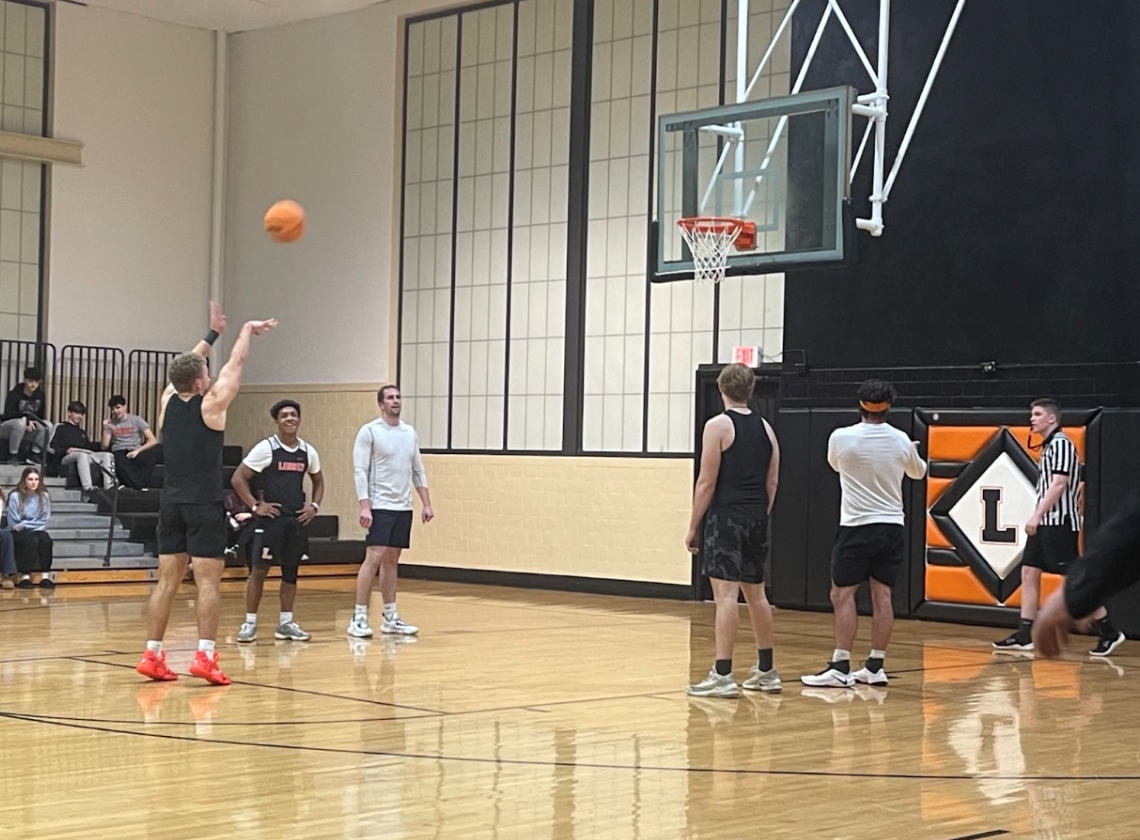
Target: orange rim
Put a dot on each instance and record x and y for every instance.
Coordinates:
(716, 224)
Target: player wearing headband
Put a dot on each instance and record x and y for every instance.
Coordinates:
(871, 458)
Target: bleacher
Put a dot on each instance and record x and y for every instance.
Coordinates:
(80, 529)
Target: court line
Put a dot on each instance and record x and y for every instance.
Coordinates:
(70, 719)
(55, 658)
(428, 712)
(984, 834)
(432, 712)
(523, 762)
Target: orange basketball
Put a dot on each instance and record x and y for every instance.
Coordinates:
(285, 221)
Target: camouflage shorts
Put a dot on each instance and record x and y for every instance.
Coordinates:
(734, 548)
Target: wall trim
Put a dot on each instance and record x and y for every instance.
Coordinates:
(558, 583)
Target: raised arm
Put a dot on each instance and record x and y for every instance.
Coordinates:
(202, 348)
(223, 391)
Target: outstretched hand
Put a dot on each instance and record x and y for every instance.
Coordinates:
(217, 318)
(259, 327)
(1052, 625)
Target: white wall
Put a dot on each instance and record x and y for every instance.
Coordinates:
(130, 230)
(313, 118)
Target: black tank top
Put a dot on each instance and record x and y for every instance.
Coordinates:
(283, 481)
(192, 452)
(742, 483)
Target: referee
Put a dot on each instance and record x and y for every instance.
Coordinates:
(1054, 528)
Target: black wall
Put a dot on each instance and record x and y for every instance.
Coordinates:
(1010, 231)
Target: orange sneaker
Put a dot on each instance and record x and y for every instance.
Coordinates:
(153, 666)
(205, 665)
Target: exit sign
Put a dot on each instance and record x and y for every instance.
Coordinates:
(746, 356)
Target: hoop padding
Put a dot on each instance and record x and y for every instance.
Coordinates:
(709, 239)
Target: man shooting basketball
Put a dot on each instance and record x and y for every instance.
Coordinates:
(191, 516)
(871, 458)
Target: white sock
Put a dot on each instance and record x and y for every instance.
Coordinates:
(390, 611)
(841, 655)
(155, 646)
(878, 654)
(251, 618)
(286, 618)
(362, 611)
(206, 645)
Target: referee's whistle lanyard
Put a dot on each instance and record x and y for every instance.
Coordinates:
(1044, 441)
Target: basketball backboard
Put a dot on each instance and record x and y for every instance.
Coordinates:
(780, 163)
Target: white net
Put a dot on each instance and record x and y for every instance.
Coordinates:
(709, 239)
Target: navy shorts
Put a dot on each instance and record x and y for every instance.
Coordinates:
(390, 528)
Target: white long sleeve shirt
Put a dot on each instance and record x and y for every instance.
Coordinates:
(871, 459)
(387, 464)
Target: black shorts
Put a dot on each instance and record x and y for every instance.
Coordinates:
(734, 548)
(197, 530)
(868, 551)
(281, 541)
(390, 528)
(1052, 549)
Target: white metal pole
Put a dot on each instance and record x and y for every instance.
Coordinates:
(771, 46)
(741, 95)
(842, 18)
(784, 119)
(875, 223)
(218, 196)
(862, 146)
(922, 99)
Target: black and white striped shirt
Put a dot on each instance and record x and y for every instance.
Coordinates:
(1059, 457)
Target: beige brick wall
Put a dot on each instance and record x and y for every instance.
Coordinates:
(621, 518)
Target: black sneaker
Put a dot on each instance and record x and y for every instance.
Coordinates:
(1105, 646)
(1014, 642)
(47, 583)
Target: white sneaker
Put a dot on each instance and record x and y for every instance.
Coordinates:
(867, 677)
(398, 626)
(359, 628)
(714, 685)
(829, 677)
(763, 680)
(247, 633)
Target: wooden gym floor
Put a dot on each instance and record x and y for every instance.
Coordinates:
(522, 714)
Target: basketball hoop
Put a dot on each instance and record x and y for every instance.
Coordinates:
(709, 238)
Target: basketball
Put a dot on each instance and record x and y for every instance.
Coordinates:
(285, 221)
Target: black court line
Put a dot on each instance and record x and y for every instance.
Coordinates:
(522, 762)
(984, 834)
(55, 658)
(112, 721)
(433, 712)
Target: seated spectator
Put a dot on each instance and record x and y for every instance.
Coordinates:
(24, 413)
(29, 508)
(8, 574)
(130, 440)
(70, 445)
